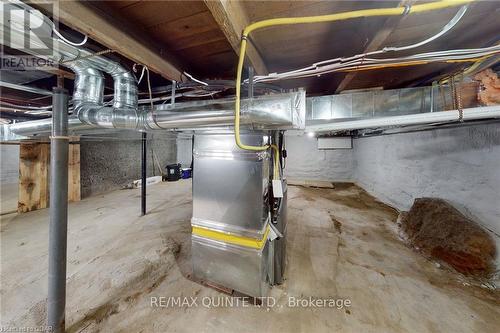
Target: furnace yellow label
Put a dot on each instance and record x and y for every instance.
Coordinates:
(231, 238)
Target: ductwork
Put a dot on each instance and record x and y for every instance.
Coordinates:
(283, 111)
(479, 113)
(276, 111)
(89, 81)
(89, 90)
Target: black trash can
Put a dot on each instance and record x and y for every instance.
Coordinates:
(173, 172)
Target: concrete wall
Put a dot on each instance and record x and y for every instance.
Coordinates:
(306, 162)
(9, 176)
(184, 149)
(112, 162)
(461, 165)
(9, 164)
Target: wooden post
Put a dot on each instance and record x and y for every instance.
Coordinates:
(34, 167)
(33, 170)
(74, 170)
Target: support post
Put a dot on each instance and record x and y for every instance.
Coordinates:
(58, 211)
(143, 172)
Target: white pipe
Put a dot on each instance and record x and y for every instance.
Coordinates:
(486, 112)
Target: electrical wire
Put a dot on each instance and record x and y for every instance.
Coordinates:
(150, 99)
(317, 19)
(149, 88)
(362, 56)
(27, 107)
(452, 56)
(61, 37)
(467, 71)
(445, 29)
(194, 79)
(142, 75)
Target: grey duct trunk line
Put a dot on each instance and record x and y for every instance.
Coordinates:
(58, 228)
(284, 111)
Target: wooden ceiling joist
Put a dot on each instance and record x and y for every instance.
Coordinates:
(232, 19)
(117, 36)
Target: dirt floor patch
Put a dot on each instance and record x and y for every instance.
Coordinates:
(441, 231)
(336, 223)
(351, 196)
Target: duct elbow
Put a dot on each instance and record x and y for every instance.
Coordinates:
(89, 84)
(89, 91)
(125, 86)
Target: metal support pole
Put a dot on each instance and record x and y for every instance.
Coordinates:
(143, 172)
(58, 211)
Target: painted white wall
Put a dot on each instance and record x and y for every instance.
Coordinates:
(461, 165)
(9, 164)
(306, 162)
(184, 149)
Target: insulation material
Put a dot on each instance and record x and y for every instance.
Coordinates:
(490, 94)
(438, 229)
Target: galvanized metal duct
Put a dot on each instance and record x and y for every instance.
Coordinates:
(284, 111)
(89, 81)
(486, 112)
(89, 90)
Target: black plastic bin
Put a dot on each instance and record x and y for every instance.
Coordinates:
(174, 172)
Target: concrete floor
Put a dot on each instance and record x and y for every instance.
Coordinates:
(8, 198)
(342, 244)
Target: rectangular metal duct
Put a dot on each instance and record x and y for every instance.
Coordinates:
(379, 103)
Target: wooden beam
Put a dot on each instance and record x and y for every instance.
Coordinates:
(378, 41)
(118, 36)
(232, 19)
(60, 72)
(33, 177)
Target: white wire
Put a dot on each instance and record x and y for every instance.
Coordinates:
(370, 62)
(445, 29)
(61, 37)
(312, 68)
(195, 80)
(142, 74)
(361, 63)
(27, 107)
